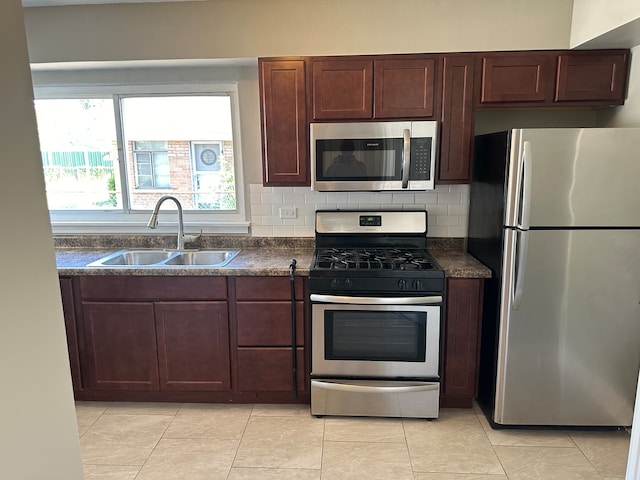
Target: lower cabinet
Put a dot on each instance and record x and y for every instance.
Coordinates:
(463, 312)
(70, 324)
(193, 346)
(264, 325)
(209, 339)
(120, 346)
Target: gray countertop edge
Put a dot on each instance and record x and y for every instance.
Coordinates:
(249, 262)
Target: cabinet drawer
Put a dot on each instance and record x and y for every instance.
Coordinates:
(123, 287)
(267, 288)
(269, 370)
(268, 324)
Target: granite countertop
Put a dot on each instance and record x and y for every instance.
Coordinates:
(257, 257)
(250, 261)
(459, 264)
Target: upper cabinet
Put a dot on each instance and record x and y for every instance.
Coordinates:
(295, 91)
(516, 77)
(406, 88)
(586, 76)
(580, 78)
(283, 120)
(342, 89)
(392, 87)
(457, 120)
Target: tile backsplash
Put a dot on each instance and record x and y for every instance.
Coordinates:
(447, 205)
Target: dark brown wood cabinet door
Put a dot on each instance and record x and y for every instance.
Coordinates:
(270, 370)
(521, 77)
(193, 346)
(588, 76)
(462, 323)
(268, 324)
(66, 290)
(405, 88)
(456, 130)
(283, 120)
(120, 345)
(342, 89)
(267, 288)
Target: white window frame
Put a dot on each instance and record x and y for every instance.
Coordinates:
(135, 221)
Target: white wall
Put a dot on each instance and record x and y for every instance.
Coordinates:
(38, 433)
(605, 23)
(255, 28)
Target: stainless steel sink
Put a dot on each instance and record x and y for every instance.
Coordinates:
(135, 257)
(202, 257)
(156, 258)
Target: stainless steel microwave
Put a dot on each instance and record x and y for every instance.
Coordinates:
(373, 156)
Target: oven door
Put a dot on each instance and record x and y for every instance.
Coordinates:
(368, 337)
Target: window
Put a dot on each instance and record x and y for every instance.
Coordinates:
(108, 158)
(151, 161)
(79, 153)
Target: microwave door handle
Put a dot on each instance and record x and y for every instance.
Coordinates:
(406, 157)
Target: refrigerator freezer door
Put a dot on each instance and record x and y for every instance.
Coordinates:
(570, 354)
(580, 177)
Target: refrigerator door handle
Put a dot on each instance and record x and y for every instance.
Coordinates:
(522, 245)
(527, 169)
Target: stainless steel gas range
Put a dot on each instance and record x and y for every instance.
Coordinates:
(376, 297)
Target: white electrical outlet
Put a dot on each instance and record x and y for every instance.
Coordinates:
(288, 212)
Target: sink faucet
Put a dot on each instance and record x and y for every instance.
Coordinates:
(153, 221)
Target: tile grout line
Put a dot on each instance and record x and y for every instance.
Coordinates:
(484, 430)
(159, 439)
(244, 430)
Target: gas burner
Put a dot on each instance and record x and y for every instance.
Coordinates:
(373, 259)
(355, 257)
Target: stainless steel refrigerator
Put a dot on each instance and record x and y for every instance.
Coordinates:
(555, 214)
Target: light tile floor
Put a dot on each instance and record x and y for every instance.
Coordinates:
(144, 441)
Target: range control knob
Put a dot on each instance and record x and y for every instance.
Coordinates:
(417, 284)
(402, 284)
(335, 283)
(348, 283)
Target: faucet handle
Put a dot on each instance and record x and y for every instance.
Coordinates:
(191, 237)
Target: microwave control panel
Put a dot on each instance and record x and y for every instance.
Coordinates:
(420, 158)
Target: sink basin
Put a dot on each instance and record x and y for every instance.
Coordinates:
(135, 257)
(203, 257)
(154, 258)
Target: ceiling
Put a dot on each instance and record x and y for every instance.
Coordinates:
(53, 3)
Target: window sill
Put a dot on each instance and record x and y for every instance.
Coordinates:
(105, 228)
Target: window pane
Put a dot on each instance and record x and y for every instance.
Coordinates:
(161, 169)
(188, 136)
(79, 153)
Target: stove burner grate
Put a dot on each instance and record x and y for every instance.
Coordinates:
(372, 259)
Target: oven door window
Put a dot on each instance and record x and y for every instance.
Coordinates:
(375, 335)
(377, 159)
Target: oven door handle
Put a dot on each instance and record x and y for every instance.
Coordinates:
(347, 387)
(314, 297)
